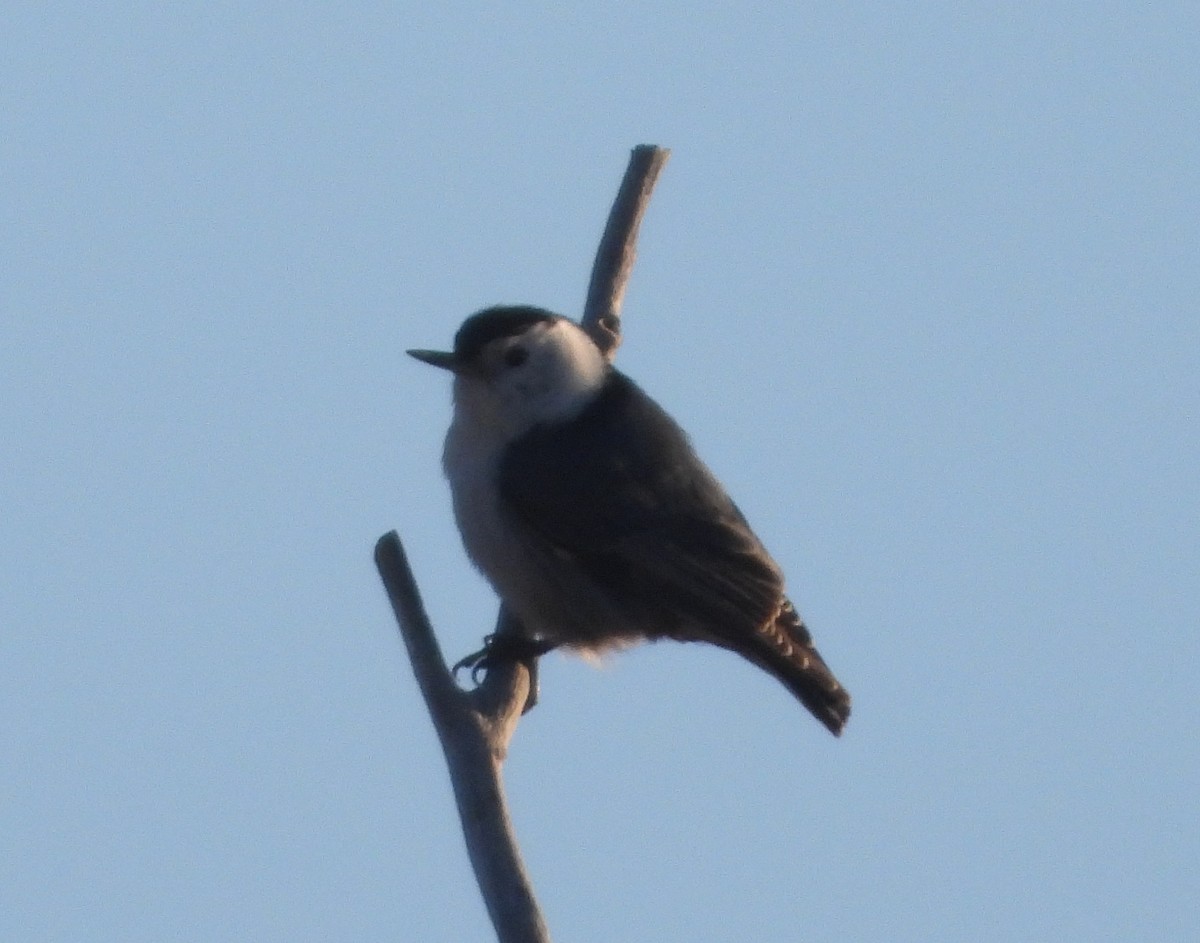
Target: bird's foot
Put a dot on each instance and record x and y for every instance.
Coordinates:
(501, 647)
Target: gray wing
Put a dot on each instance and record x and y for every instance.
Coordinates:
(620, 491)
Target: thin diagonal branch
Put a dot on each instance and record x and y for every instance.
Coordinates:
(474, 730)
(617, 251)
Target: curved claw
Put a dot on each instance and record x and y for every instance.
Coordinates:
(502, 647)
(478, 662)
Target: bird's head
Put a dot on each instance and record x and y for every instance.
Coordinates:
(518, 367)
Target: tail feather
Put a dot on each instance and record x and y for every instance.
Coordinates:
(784, 648)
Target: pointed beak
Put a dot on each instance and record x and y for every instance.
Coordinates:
(437, 358)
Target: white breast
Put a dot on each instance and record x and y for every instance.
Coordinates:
(471, 459)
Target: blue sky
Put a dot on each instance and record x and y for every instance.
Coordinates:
(921, 282)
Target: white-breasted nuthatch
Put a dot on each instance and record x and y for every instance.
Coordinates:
(584, 505)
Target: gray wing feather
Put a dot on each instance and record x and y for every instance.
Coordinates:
(621, 492)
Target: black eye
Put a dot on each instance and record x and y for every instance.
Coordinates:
(515, 356)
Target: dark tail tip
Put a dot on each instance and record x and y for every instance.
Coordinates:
(832, 708)
(787, 652)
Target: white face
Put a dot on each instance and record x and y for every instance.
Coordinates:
(548, 373)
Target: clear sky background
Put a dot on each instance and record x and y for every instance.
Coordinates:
(920, 279)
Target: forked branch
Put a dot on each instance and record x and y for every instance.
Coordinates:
(476, 727)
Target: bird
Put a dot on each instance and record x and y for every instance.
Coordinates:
(585, 506)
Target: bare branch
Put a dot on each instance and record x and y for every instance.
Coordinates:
(617, 251)
(474, 740)
(475, 728)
